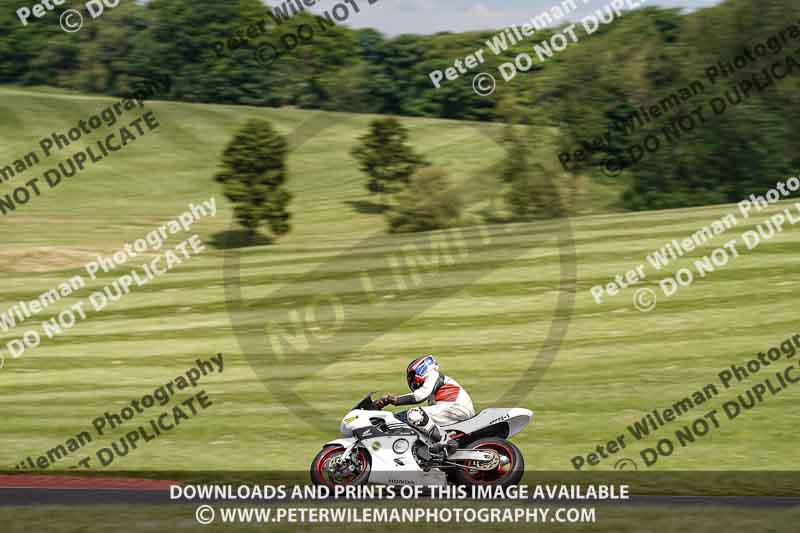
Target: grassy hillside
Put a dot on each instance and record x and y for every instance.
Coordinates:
(485, 315)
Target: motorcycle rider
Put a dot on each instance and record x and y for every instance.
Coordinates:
(448, 402)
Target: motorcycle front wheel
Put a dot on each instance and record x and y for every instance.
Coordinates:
(508, 472)
(326, 471)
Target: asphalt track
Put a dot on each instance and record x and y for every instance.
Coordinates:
(59, 490)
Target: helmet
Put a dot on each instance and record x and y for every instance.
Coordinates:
(417, 369)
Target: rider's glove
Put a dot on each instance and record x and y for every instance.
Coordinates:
(385, 400)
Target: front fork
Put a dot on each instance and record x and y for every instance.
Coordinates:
(345, 457)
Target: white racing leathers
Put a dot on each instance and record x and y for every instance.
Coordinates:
(447, 405)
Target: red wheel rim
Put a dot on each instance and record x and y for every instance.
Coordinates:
(324, 472)
(497, 474)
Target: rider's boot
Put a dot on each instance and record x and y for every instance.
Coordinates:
(449, 446)
(419, 418)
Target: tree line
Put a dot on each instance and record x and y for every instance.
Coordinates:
(413, 195)
(644, 56)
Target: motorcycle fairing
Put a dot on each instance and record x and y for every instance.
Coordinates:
(516, 418)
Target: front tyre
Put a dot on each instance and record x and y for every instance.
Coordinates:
(508, 472)
(327, 468)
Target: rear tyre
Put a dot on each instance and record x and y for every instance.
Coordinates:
(324, 472)
(506, 473)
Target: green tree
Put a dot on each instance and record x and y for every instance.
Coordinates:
(529, 190)
(254, 174)
(516, 161)
(426, 204)
(533, 195)
(384, 155)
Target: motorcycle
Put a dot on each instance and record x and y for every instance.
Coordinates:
(381, 449)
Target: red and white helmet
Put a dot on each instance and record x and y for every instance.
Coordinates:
(418, 369)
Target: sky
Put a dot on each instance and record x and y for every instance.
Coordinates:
(394, 17)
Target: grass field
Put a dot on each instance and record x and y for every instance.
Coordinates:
(484, 316)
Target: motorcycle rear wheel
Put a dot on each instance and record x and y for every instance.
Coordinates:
(323, 473)
(504, 475)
